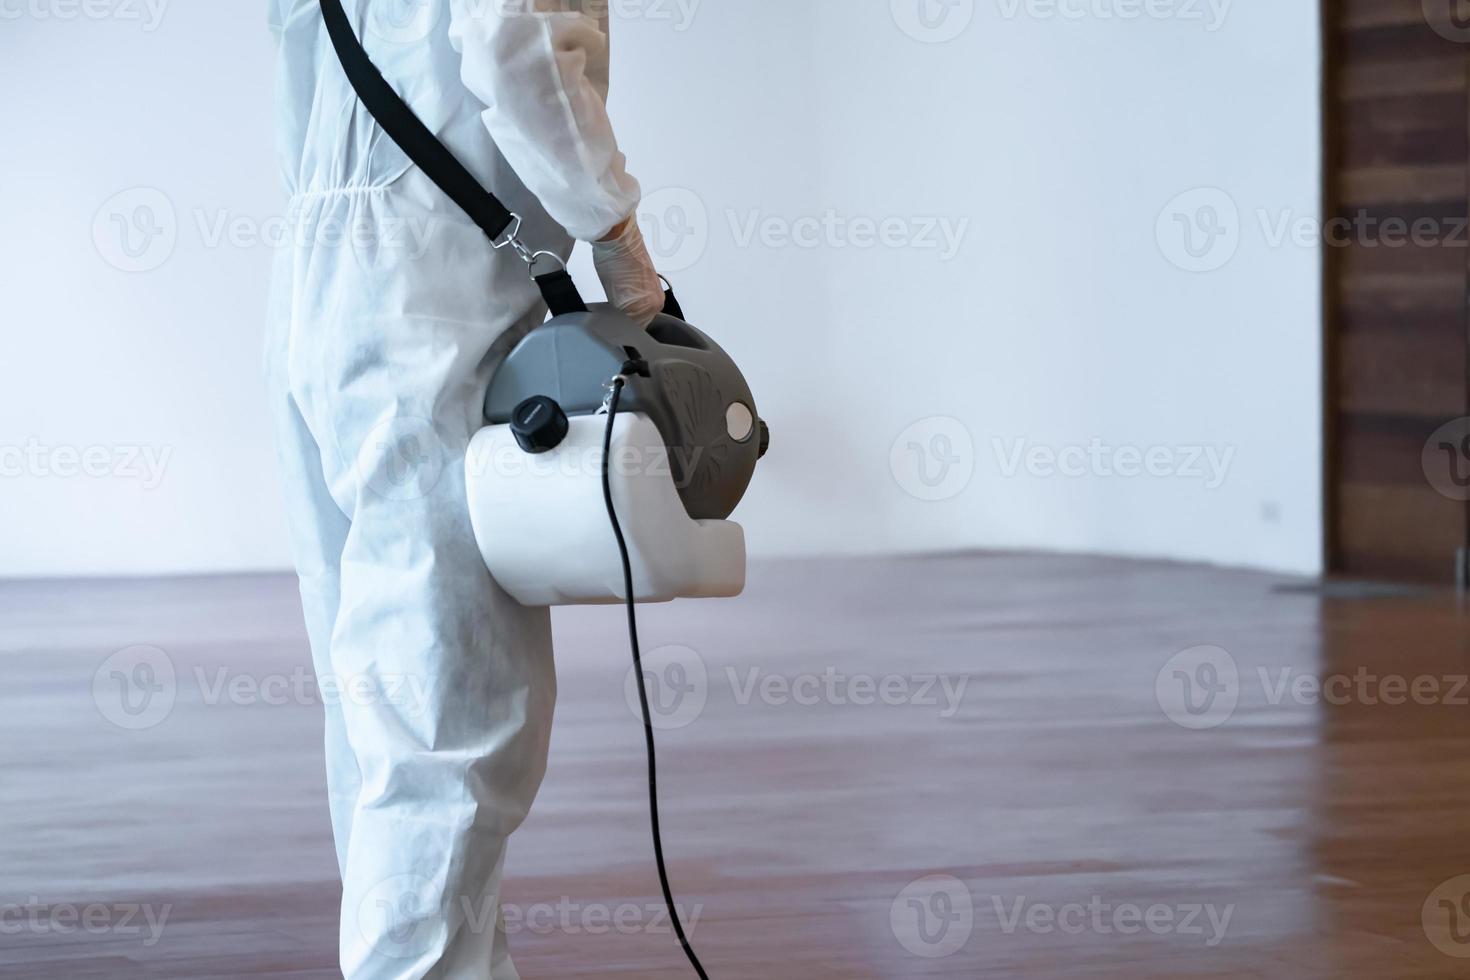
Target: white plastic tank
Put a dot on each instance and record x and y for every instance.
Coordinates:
(542, 525)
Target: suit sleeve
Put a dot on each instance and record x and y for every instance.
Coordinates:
(532, 64)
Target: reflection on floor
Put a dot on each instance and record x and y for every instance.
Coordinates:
(981, 766)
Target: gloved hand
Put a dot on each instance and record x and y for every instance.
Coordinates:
(627, 273)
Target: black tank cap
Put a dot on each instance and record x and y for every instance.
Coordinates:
(539, 425)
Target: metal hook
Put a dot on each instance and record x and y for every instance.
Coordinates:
(534, 256)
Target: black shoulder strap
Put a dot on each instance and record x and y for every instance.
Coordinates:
(408, 131)
(434, 158)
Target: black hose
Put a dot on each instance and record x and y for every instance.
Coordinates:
(612, 516)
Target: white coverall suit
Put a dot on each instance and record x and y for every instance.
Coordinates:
(388, 314)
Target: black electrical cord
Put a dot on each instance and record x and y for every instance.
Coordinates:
(612, 515)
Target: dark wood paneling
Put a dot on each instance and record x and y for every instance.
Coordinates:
(1398, 149)
(1402, 374)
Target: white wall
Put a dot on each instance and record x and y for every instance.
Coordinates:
(1053, 142)
(166, 360)
(1062, 321)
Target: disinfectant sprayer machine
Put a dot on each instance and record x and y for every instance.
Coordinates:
(683, 449)
(613, 455)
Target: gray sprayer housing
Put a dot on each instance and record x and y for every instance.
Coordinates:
(694, 395)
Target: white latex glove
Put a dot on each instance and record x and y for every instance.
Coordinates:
(627, 273)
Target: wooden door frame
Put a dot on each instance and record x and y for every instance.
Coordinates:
(1333, 261)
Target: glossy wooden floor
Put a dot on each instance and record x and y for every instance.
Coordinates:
(1082, 833)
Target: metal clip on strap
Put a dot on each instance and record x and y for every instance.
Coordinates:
(557, 288)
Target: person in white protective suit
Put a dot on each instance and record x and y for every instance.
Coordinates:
(389, 313)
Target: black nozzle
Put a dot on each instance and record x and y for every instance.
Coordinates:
(765, 440)
(539, 425)
(635, 366)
